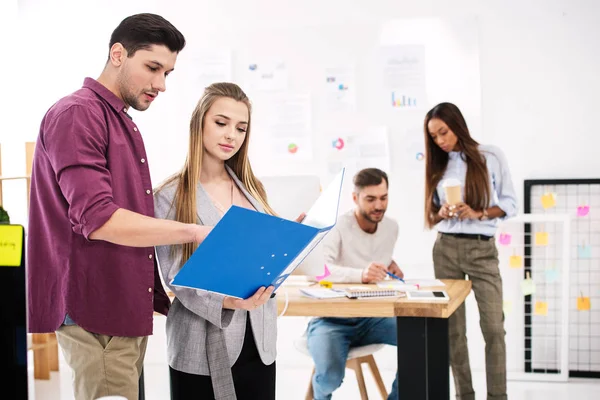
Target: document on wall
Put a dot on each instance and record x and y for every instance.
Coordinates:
(358, 150)
(283, 125)
(265, 74)
(403, 74)
(340, 88)
(211, 66)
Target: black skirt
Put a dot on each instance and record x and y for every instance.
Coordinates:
(252, 379)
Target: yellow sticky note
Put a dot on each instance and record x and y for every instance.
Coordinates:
(541, 308)
(548, 200)
(11, 245)
(326, 284)
(541, 239)
(507, 307)
(516, 261)
(583, 304)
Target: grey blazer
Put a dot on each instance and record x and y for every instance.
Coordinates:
(202, 337)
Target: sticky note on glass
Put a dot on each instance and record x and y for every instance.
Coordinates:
(548, 200)
(11, 245)
(541, 308)
(584, 251)
(516, 261)
(541, 238)
(528, 286)
(504, 239)
(551, 275)
(507, 307)
(583, 304)
(582, 211)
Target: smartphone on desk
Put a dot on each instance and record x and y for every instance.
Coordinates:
(428, 295)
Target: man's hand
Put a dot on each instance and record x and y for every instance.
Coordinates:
(395, 269)
(200, 232)
(259, 298)
(375, 272)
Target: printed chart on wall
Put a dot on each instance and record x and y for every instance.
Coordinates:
(282, 125)
(340, 88)
(579, 198)
(368, 148)
(265, 74)
(356, 151)
(403, 74)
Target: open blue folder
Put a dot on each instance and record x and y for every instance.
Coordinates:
(248, 249)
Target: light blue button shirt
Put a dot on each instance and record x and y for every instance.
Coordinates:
(503, 192)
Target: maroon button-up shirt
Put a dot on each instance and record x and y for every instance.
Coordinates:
(89, 161)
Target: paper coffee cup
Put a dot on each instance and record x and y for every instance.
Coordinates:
(453, 191)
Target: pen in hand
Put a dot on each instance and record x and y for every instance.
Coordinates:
(394, 276)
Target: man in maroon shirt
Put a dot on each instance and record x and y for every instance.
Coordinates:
(92, 276)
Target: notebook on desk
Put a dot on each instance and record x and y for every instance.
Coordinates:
(248, 249)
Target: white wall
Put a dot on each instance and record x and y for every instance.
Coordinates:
(538, 84)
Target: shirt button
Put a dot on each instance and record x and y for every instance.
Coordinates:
(149, 290)
(134, 129)
(143, 160)
(148, 191)
(150, 256)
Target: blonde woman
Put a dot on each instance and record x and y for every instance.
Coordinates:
(218, 347)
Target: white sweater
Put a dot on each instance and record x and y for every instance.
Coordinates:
(349, 250)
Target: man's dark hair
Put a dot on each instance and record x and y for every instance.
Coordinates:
(369, 177)
(140, 31)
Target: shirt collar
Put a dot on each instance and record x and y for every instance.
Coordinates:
(115, 102)
(454, 155)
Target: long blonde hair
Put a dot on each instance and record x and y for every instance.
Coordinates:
(188, 178)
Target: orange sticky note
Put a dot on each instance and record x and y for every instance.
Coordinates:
(541, 239)
(541, 308)
(583, 304)
(548, 200)
(516, 261)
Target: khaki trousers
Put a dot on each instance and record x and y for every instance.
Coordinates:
(102, 365)
(453, 258)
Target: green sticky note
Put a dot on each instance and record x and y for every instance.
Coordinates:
(528, 287)
(11, 245)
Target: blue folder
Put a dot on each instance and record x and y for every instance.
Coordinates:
(248, 249)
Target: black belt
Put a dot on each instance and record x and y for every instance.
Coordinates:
(469, 236)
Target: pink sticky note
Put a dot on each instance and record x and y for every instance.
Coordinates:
(325, 274)
(582, 211)
(505, 239)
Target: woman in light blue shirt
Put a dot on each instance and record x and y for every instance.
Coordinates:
(465, 243)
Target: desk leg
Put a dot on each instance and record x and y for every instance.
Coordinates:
(423, 358)
(142, 389)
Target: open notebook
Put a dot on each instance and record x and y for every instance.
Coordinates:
(351, 293)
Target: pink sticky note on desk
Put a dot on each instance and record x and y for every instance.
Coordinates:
(504, 239)
(582, 211)
(326, 273)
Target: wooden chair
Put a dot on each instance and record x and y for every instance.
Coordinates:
(43, 345)
(357, 356)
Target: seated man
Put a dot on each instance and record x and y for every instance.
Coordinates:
(357, 250)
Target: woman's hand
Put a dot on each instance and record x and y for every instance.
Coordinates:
(446, 211)
(464, 211)
(258, 299)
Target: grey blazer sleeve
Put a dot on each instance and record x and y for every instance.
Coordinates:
(205, 304)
